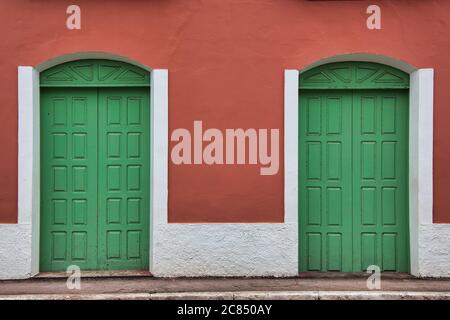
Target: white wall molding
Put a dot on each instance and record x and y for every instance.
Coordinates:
(291, 85)
(160, 144)
(420, 163)
(159, 155)
(421, 142)
(28, 146)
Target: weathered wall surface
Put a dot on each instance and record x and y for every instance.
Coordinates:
(225, 62)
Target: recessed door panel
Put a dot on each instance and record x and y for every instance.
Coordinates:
(124, 173)
(68, 178)
(325, 181)
(380, 180)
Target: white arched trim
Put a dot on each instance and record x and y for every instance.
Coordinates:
(429, 243)
(19, 243)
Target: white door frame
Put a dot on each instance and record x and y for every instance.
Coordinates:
(420, 144)
(29, 148)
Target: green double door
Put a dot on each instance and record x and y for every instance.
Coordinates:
(95, 171)
(353, 180)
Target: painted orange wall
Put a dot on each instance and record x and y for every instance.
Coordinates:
(226, 60)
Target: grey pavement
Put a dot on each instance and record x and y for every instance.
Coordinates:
(330, 286)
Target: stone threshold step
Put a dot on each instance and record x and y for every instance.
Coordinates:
(243, 295)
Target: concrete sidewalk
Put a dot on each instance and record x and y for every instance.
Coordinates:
(149, 288)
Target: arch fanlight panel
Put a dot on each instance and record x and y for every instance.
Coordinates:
(354, 75)
(95, 73)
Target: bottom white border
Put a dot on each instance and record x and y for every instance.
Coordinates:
(194, 250)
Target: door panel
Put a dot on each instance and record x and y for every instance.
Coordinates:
(325, 181)
(380, 179)
(95, 178)
(124, 173)
(353, 180)
(68, 178)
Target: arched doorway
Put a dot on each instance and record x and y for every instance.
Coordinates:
(353, 168)
(95, 166)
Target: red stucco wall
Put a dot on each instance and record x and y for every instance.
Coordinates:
(226, 60)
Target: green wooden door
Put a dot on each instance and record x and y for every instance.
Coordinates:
(68, 178)
(380, 180)
(124, 178)
(353, 193)
(94, 178)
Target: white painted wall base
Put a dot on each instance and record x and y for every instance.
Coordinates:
(15, 251)
(223, 250)
(246, 250)
(434, 250)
